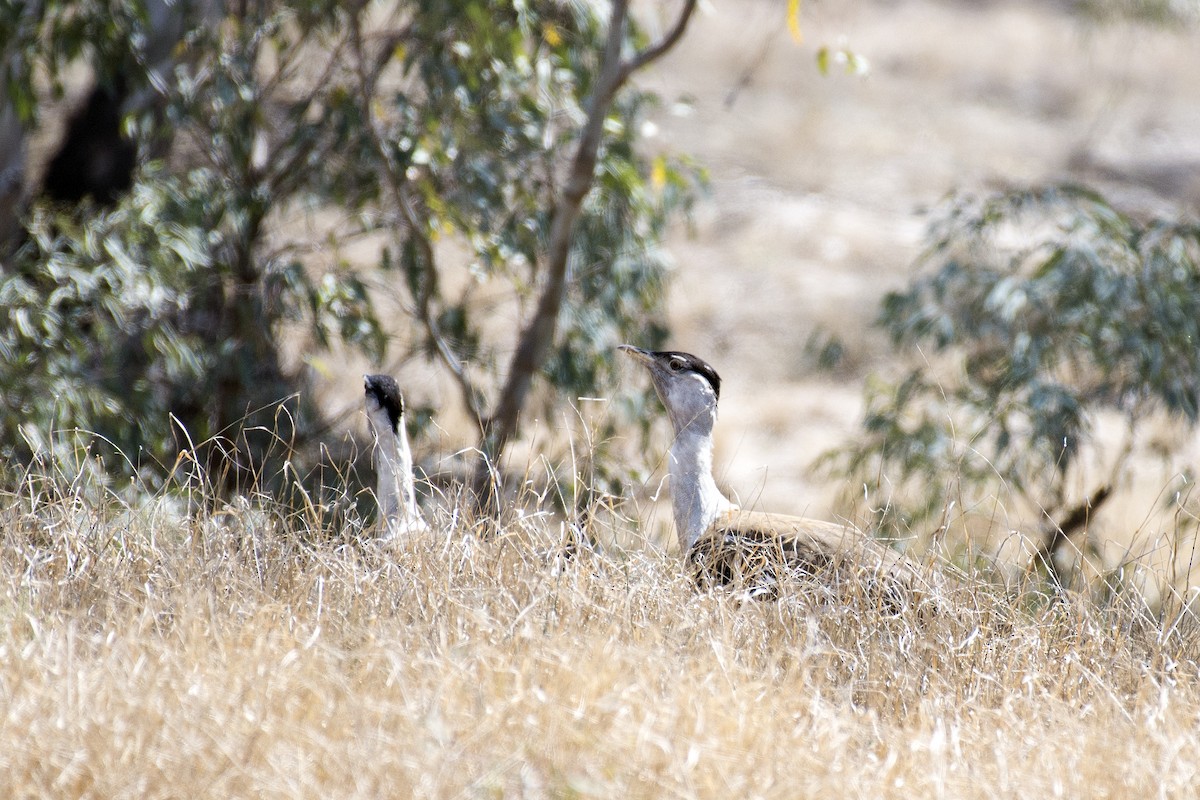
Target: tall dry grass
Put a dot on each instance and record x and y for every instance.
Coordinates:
(249, 651)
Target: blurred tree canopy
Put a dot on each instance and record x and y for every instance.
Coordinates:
(508, 130)
(1034, 310)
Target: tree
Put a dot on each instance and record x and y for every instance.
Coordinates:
(525, 204)
(505, 131)
(1020, 346)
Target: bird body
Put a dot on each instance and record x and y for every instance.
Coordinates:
(395, 488)
(754, 549)
(724, 543)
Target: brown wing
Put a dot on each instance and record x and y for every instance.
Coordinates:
(756, 551)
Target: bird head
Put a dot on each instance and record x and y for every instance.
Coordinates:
(688, 386)
(384, 404)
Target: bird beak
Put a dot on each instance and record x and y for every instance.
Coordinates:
(643, 357)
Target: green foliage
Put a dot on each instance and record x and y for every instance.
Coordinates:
(44, 37)
(438, 127)
(89, 319)
(1035, 310)
(107, 324)
(1160, 12)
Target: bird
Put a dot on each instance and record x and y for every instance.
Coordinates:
(399, 514)
(726, 545)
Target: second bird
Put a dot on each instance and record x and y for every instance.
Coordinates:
(396, 492)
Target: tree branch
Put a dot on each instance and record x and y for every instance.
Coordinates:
(536, 339)
(1057, 533)
(663, 45)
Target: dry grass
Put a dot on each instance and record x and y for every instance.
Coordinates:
(250, 652)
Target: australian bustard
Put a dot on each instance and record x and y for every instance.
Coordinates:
(395, 492)
(727, 545)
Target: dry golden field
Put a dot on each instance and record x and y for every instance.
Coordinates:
(253, 653)
(177, 650)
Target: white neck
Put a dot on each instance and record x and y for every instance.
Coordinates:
(694, 494)
(395, 490)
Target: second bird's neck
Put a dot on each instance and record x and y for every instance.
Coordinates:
(694, 494)
(396, 494)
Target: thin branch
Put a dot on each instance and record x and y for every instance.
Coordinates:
(288, 171)
(747, 74)
(663, 45)
(1060, 531)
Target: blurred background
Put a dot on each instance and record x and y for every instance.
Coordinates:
(822, 185)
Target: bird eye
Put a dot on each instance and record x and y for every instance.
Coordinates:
(676, 364)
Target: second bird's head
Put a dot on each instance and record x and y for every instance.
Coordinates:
(385, 406)
(687, 385)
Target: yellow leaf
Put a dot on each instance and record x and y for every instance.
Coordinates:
(658, 173)
(793, 21)
(319, 365)
(551, 34)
